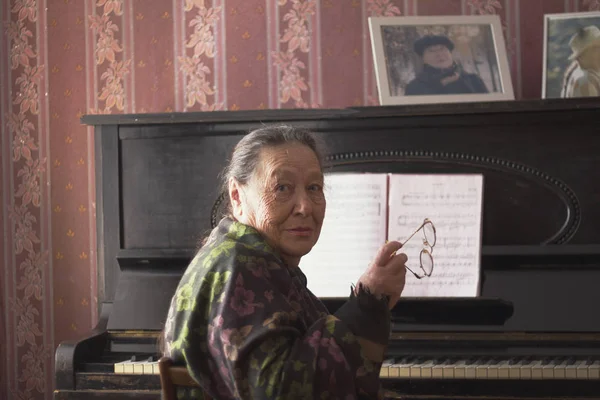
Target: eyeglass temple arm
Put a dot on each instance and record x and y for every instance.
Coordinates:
(414, 233)
(413, 272)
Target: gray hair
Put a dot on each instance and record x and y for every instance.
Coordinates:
(246, 153)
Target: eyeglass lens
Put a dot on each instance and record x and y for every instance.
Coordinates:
(429, 232)
(427, 262)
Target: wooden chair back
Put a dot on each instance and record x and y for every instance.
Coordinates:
(172, 376)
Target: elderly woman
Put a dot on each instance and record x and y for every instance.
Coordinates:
(243, 320)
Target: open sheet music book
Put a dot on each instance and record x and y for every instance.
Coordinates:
(364, 210)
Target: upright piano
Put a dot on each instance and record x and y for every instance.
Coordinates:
(534, 332)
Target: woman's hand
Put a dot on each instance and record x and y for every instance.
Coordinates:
(386, 274)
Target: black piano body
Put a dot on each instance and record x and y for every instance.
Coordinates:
(157, 195)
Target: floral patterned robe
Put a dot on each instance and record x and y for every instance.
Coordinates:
(246, 326)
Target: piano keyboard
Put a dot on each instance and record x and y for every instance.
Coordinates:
(413, 368)
(132, 366)
(524, 368)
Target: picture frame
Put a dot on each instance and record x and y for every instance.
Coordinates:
(567, 38)
(440, 59)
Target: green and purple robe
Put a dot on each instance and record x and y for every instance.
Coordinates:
(246, 326)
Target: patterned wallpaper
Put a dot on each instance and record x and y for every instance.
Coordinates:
(61, 59)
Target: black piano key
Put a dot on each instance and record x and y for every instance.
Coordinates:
(514, 360)
(571, 360)
(524, 360)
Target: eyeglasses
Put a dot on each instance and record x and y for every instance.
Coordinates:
(426, 256)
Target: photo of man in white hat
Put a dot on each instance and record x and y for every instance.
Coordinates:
(582, 78)
(571, 55)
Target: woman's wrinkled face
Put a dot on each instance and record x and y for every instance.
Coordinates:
(283, 200)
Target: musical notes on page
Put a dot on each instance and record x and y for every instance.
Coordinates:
(454, 204)
(353, 230)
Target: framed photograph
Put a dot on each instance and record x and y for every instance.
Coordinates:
(571, 55)
(445, 59)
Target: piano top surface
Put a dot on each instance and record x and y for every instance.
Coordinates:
(529, 106)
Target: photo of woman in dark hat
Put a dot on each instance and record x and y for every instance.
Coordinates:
(424, 59)
(441, 74)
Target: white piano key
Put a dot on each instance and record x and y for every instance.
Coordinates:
(437, 371)
(448, 370)
(582, 369)
(548, 368)
(459, 369)
(471, 370)
(526, 369)
(503, 369)
(571, 371)
(128, 367)
(492, 372)
(384, 372)
(514, 369)
(560, 370)
(150, 367)
(405, 369)
(119, 368)
(138, 367)
(415, 369)
(594, 370)
(481, 370)
(536, 370)
(394, 370)
(427, 369)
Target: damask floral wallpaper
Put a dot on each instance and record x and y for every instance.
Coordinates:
(60, 59)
